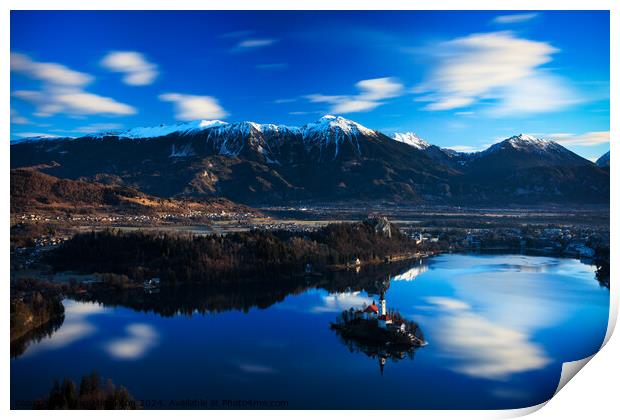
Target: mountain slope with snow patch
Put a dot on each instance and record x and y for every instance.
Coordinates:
(411, 139)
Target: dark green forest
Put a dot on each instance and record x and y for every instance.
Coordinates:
(237, 256)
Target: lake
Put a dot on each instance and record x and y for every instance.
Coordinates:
(497, 327)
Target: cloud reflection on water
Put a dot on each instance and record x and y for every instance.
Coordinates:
(139, 340)
(75, 327)
(484, 348)
(339, 302)
(256, 368)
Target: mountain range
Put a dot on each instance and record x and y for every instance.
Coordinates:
(330, 160)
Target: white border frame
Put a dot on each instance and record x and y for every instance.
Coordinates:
(592, 395)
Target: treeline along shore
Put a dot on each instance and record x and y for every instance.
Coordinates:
(35, 313)
(235, 257)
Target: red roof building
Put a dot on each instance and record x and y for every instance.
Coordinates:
(372, 309)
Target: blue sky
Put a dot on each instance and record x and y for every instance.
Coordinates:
(457, 79)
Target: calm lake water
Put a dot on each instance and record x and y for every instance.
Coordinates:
(498, 329)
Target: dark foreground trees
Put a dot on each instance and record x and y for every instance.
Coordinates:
(92, 394)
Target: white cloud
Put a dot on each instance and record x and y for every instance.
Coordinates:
(319, 97)
(52, 73)
(381, 88)
(495, 66)
(52, 101)
(63, 90)
(16, 118)
(193, 107)
(464, 148)
(284, 100)
(97, 127)
(255, 43)
(515, 18)
(540, 92)
(372, 93)
(592, 138)
(354, 105)
(448, 303)
(449, 103)
(137, 70)
(272, 66)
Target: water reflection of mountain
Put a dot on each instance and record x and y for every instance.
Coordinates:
(19, 346)
(419, 268)
(188, 299)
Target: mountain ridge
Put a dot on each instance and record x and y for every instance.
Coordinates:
(330, 159)
(603, 161)
(318, 130)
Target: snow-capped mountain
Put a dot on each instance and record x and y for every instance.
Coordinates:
(530, 150)
(191, 127)
(330, 159)
(412, 139)
(36, 138)
(331, 129)
(244, 137)
(603, 161)
(230, 139)
(526, 143)
(531, 169)
(330, 133)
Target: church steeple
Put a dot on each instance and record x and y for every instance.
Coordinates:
(382, 304)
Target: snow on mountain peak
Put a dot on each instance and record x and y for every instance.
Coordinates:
(332, 129)
(42, 137)
(527, 143)
(526, 140)
(412, 139)
(331, 124)
(210, 123)
(164, 130)
(527, 137)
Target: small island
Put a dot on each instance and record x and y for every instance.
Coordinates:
(379, 332)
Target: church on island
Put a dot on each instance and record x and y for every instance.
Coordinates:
(380, 313)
